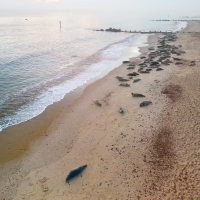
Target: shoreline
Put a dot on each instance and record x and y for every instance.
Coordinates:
(16, 145)
(116, 147)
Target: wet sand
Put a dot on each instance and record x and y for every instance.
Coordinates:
(145, 153)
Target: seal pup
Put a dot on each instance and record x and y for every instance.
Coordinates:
(137, 95)
(145, 103)
(97, 102)
(75, 172)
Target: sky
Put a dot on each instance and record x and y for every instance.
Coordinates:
(163, 8)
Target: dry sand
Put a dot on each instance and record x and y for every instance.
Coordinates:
(145, 153)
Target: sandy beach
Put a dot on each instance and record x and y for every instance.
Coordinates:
(147, 152)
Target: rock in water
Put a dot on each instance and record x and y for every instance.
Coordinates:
(137, 95)
(136, 80)
(145, 103)
(121, 110)
(97, 102)
(75, 172)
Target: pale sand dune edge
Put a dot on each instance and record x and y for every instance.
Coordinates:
(146, 153)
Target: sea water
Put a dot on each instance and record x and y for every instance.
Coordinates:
(40, 62)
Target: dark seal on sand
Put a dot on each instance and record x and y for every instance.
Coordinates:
(97, 102)
(178, 63)
(133, 74)
(137, 95)
(124, 84)
(145, 103)
(159, 69)
(75, 172)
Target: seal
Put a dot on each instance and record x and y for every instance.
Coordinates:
(125, 62)
(144, 72)
(121, 110)
(123, 79)
(133, 74)
(118, 77)
(176, 58)
(131, 67)
(136, 80)
(137, 95)
(178, 63)
(192, 63)
(97, 102)
(164, 63)
(145, 103)
(124, 84)
(75, 172)
(159, 69)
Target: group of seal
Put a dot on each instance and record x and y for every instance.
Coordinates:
(158, 56)
(163, 55)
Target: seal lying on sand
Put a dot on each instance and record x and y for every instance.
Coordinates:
(75, 172)
(136, 80)
(176, 58)
(130, 67)
(124, 84)
(159, 69)
(97, 102)
(178, 63)
(137, 95)
(123, 79)
(132, 74)
(145, 103)
(144, 72)
(192, 63)
(121, 110)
